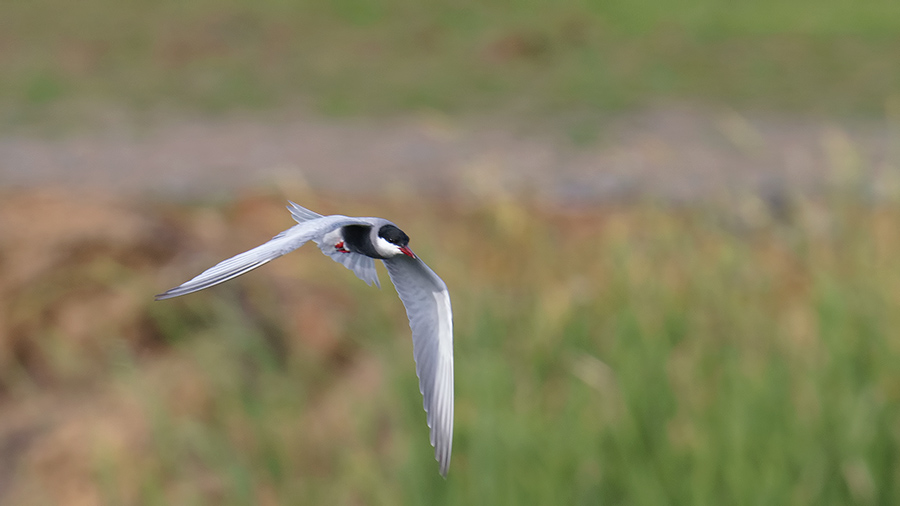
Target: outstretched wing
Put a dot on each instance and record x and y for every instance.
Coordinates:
(427, 304)
(285, 242)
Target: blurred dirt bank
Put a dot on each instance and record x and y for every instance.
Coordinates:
(74, 272)
(676, 153)
(85, 356)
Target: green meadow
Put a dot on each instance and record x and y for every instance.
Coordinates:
(526, 57)
(642, 355)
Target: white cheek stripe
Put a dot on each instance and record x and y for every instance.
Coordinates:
(385, 248)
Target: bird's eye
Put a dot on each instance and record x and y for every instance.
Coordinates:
(393, 235)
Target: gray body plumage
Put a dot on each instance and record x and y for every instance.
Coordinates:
(423, 293)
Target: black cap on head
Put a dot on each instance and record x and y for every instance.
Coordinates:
(393, 235)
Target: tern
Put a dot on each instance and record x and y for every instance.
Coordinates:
(357, 243)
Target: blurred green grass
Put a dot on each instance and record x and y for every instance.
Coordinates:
(645, 355)
(364, 57)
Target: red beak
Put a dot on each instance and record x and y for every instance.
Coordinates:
(408, 252)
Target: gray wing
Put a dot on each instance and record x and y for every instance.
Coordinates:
(285, 242)
(427, 304)
(300, 213)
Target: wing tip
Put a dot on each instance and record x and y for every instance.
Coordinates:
(300, 213)
(168, 294)
(442, 456)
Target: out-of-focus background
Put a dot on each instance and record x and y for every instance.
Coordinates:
(671, 231)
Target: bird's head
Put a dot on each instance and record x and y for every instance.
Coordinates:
(391, 241)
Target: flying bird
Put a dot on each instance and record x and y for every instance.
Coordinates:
(357, 243)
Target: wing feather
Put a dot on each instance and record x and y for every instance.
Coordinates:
(300, 213)
(285, 242)
(427, 303)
